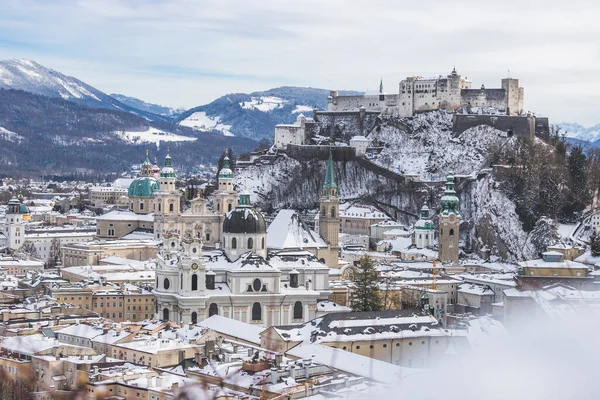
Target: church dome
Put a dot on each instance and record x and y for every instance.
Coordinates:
(244, 218)
(23, 209)
(144, 186)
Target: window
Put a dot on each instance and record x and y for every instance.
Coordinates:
(256, 285)
(332, 212)
(451, 232)
(262, 243)
(194, 282)
(256, 311)
(233, 243)
(166, 314)
(213, 309)
(141, 206)
(194, 317)
(229, 206)
(166, 284)
(298, 310)
(158, 206)
(371, 346)
(250, 243)
(357, 347)
(397, 344)
(208, 237)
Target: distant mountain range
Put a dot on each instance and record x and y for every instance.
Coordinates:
(254, 115)
(576, 131)
(148, 107)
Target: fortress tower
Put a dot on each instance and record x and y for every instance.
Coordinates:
(449, 221)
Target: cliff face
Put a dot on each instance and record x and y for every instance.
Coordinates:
(489, 218)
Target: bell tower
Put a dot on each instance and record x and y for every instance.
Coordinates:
(449, 222)
(167, 200)
(225, 198)
(329, 221)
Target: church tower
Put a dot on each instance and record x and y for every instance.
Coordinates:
(16, 214)
(449, 221)
(225, 198)
(167, 200)
(423, 233)
(329, 221)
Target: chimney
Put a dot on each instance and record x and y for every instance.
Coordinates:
(160, 334)
(274, 376)
(306, 363)
(159, 382)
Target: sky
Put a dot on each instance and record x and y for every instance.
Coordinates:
(184, 53)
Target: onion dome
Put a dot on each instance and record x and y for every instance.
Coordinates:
(449, 199)
(167, 171)
(226, 172)
(424, 223)
(146, 166)
(244, 218)
(155, 167)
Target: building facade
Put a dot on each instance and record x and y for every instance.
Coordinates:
(449, 222)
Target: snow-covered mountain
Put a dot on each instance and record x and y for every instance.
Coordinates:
(32, 77)
(425, 146)
(254, 115)
(577, 131)
(148, 107)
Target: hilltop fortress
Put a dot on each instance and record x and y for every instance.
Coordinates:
(418, 94)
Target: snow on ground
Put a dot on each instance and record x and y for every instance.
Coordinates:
(430, 148)
(9, 135)
(151, 135)
(565, 230)
(302, 109)
(202, 122)
(263, 103)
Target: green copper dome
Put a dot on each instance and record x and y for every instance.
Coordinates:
(144, 186)
(23, 209)
(226, 172)
(449, 199)
(167, 171)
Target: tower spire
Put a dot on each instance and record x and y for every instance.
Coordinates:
(381, 85)
(329, 185)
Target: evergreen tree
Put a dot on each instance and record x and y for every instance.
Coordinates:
(365, 295)
(595, 244)
(579, 190)
(544, 234)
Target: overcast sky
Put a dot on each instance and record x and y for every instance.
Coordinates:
(184, 53)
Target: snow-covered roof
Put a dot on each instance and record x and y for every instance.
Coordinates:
(471, 288)
(287, 231)
(81, 330)
(352, 363)
(232, 327)
(126, 216)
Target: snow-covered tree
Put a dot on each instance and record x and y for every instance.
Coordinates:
(365, 296)
(595, 244)
(544, 234)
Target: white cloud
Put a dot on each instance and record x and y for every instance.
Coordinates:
(185, 53)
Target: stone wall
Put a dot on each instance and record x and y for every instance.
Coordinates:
(512, 125)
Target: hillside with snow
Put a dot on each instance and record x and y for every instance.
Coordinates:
(148, 107)
(254, 115)
(424, 146)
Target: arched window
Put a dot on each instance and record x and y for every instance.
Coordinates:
(229, 207)
(157, 282)
(262, 243)
(323, 212)
(158, 206)
(213, 309)
(256, 285)
(141, 206)
(451, 232)
(171, 207)
(181, 281)
(218, 206)
(298, 310)
(166, 284)
(250, 243)
(194, 282)
(165, 314)
(256, 312)
(332, 212)
(194, 317)
(233, 243)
